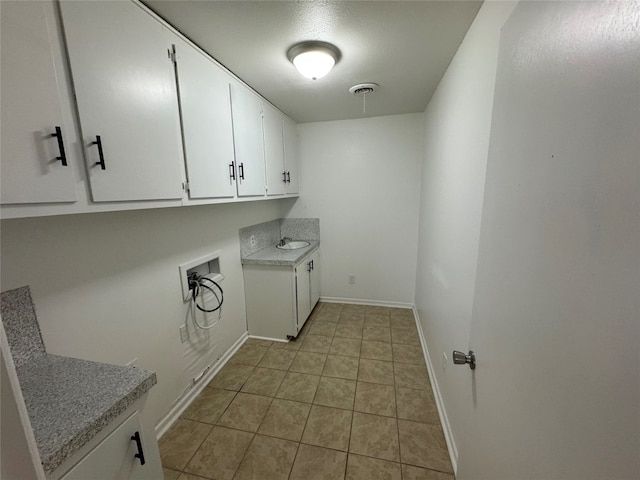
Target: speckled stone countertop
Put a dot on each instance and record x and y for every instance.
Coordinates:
(275, 256)
(68, 400)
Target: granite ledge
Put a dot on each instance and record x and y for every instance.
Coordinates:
(70, 400)
(274, 256)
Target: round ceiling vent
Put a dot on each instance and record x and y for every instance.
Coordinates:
(364, 88)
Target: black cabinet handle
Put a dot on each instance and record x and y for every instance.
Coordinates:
(232, 172)
(140, 454)
(284, 177)
(63, 156)
(288, 177)
(312, 267)
(98, 142)
(241, 171)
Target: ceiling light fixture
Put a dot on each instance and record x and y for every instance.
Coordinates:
(314, 59)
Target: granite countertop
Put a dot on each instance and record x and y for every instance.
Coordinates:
(275, 256)
(70, 400)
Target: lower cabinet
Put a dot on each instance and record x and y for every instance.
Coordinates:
(280, 298)
(121, 456)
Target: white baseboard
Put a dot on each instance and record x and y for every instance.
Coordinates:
(442, 412)
(358, 301)
(194, 390)
(269, 338)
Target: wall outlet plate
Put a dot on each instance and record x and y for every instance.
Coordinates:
(352, 279)
(252, 240)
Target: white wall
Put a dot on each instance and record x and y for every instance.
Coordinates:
(106, 285)
(556, 315)
(362, 179)
(536, 267)
(458, 121)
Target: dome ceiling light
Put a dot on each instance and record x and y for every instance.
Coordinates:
(313, 59)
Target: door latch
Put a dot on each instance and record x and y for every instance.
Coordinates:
(459, 358)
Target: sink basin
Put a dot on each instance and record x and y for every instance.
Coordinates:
(293, 245)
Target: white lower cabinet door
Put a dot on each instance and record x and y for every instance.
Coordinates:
(303, 292)
(206, 120)
(34, 165)
(125, 89)
(248, 141)
(115, 457)
(314, 279)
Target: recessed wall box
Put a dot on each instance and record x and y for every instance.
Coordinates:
(207, 266)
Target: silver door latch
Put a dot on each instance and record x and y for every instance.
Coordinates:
(459, 358)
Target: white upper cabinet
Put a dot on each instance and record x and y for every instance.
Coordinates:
(125, 88)
(281, 153)
(205, 106)
(274, 150)
(290, 134)
(248, 141)
(32, 158)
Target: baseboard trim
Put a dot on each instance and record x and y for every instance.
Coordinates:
(194, 390)
(442, 412)
(269, 339)
(358, 301)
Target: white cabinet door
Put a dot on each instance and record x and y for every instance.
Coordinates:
(205, 105)
(302, 291)
(290, 135)
(274, 151)
(314, 279)
(126, 93)
(31, 111)
(115, 457)
(247, 139)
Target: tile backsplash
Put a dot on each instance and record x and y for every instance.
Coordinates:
(269, 233)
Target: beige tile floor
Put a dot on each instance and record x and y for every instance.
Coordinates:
(349, 399)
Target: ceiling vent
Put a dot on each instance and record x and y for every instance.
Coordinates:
(364, 88)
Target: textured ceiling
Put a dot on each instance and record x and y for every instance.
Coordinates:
(404, 46)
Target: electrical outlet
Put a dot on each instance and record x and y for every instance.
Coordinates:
(184, 335)
(352, 279)
(252, 240)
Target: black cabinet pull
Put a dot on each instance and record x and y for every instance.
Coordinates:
(98, 142)
(232, 172)
(288, 177)
(140, 454)
(312, 267)
(63, 156)
(284, 177)
(241, 171)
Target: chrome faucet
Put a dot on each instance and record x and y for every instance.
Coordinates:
(284, 241)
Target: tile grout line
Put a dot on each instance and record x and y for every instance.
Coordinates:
(322, 375)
